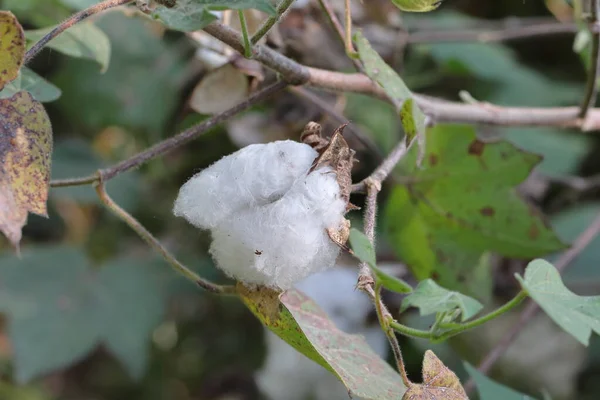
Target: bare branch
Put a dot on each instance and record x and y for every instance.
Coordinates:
(174, 142)
(437, 110)
(384, 170)
(69, 22)
(486, 35)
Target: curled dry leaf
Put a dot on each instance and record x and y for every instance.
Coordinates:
(12, 47)
(220, 90)
(439, 383)
(336, 154)
(25, 148)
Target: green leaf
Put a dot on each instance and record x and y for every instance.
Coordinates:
(12, 47)
(41, 90)
(363, 249)
(192, 15)
(430, 298)
(490, 390)
(83, 40)
(76, 157)
(417, 5)
(412, 117)
(25, 148)
(52, 293)
(461, 203)
(296, 319)
(578, 315)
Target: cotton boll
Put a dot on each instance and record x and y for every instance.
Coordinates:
(289, 375)
(255, 175)
(280, 243)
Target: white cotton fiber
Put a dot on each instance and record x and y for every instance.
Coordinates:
(255, 175)
(267, 215)
(287, 374)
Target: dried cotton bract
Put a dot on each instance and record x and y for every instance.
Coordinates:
(268, 212)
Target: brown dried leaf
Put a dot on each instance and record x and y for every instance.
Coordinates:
(336, 154)
(12, 47)
(220, 90)
(25, 149)
(439, 383)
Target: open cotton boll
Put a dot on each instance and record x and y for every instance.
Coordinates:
(268, 215)
(280, 243)
(255, 175)
(287, 374)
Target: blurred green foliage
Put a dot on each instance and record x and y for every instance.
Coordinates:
(90, 314)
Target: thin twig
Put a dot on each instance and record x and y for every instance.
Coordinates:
(348, 25)
(532, 308)
(174, 142)
(438, 110)
(361, 136)
(487, 35)
(591, 90)
(69, 22)
(385, 169)
(156, 245)
(282, 7)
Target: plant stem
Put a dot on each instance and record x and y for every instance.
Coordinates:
(408, 331)
(349, 46)
(69, 22)
(269, 23)
(244, 25)
(591, 90)
(384, 317)
(156, 245)
(458, 328)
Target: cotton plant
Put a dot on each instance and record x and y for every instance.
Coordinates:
(287, 374)
(275, 211)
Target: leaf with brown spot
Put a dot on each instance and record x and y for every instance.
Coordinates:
(451, 212)
(25, 149)
(12, 47)
(298, 320)
(439, 383)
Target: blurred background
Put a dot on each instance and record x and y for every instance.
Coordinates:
(91, 312)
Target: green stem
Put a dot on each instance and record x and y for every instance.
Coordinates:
(247, 43)
(266, 27)
(438, 320)
(458, 328)
(408, 331)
